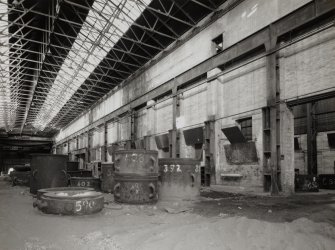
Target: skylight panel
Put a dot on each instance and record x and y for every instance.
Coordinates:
(105, 24)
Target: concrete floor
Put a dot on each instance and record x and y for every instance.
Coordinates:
(219, 220)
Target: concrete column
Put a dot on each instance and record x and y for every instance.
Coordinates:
(88, 147)
(174, 149)
(104, 147)
(133, 134)
(287, 149)
(272, 97)
(213, 106)
(311, 140)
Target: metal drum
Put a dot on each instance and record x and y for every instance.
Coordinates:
(107, 177)
(71, 202)
(21, 168)
(135, 189)
(180, 178)
(136, 176)
(136, 161)
(42, 191)
(47, 171)
(72, 166)
(85, 182)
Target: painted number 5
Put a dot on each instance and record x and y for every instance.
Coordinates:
(78, 206)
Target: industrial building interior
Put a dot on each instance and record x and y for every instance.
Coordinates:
(167, 124)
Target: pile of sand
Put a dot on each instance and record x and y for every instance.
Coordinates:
(229, 233)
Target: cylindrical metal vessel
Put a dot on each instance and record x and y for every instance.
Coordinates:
(180, 178)
(21, 168)
(47, 170)
(136, 161)
(135, 189)
(42, 191)
(86, 182)
(20, 178)
(72, 166)
(80, 173)
(107, 177)
(71, 202)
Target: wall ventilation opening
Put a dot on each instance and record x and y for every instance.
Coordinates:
(246, 128)
(331, 140)
(234, 135)
(162, 142)
(297, 146)
(218, 43)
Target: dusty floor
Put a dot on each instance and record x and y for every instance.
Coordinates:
(218, 221)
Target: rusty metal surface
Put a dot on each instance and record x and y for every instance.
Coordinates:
(71, 202)
(21, 168)
(47, 171)
(107, 177)
(72, 166)
(91, 182)
(136, 161)
(135, 189)
(80, 173)
(179, 178)
(20, 178)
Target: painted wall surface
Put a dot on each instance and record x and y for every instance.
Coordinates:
(193, 105)
(82, 141)
(124, 128)
(242, 21)
(78, 124)
(112, 132)
(141, 127)
(193, 113)
(163, 116)
(243, 89)
(307, 67)
(251, 173)
(97, 137)
(73, 144)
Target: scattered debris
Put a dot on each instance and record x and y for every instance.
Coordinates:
(176, 210)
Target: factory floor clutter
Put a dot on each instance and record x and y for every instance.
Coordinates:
(216, 221)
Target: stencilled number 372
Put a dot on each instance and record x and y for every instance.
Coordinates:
(172, 168)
